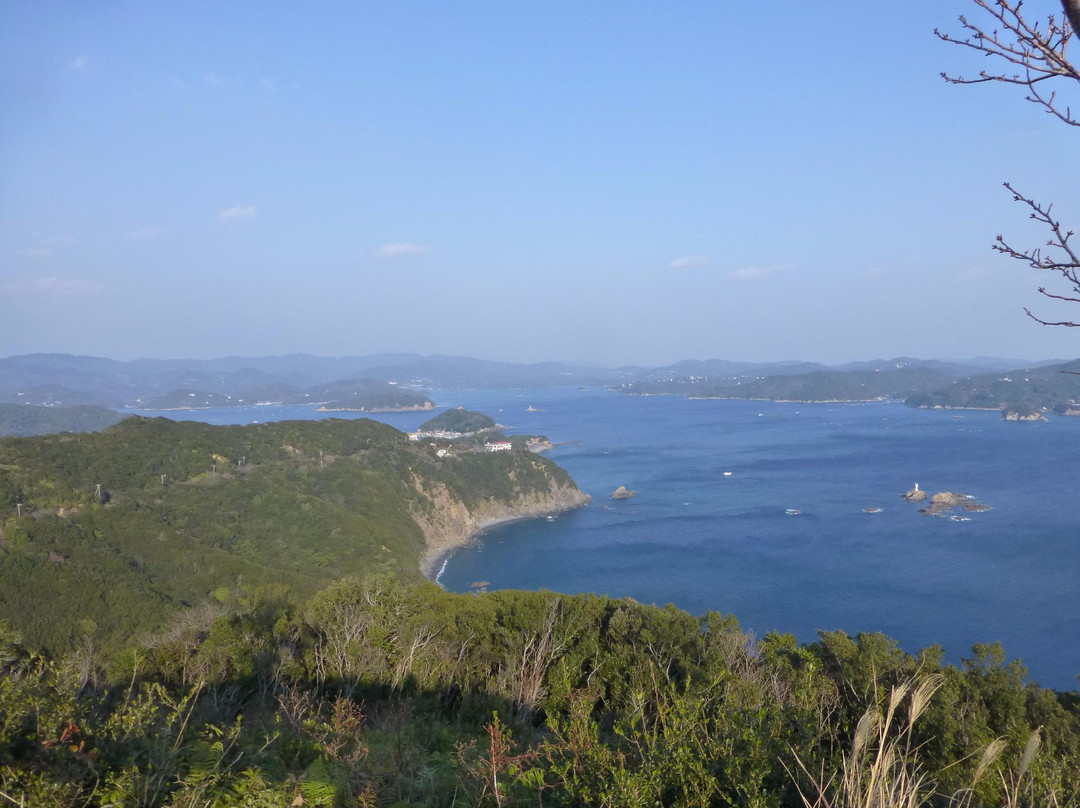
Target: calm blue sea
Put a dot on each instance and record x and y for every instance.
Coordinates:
(702, 540)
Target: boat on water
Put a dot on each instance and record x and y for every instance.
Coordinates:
(792, 511)
(727, 473)
(872, 510)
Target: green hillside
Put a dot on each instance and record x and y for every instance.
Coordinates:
(24, 420)
(380, 693)
(363, 395)
(832, 385)
(194, 615)
(189, 513)
(1027, 389)
(459, 420)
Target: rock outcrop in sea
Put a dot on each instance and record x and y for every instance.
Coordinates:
(622, 492)
(945, 501)
(1015, 415)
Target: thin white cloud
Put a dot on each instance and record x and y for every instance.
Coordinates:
(399, 249)
(217, 80)
(50, 287)
(37, 252)
(145, 233)
(237, 213)
(755, 273)
(690, 261)
(80, 62)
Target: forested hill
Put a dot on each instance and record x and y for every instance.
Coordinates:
(24, 420)
(919, 384)
(459, 420)
(833, 385)
(102, 535)
(1047, 387)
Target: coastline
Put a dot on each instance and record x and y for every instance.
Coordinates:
(443, 543)
(875, 400)
(409, 408)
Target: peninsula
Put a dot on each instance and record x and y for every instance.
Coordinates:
(122, 528)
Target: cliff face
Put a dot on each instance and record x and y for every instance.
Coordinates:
(451, 524)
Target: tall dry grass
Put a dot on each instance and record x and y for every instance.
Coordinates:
(883, 769)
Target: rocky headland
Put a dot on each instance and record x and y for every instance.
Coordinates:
(450, 524)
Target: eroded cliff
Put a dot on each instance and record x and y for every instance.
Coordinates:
(450, 523)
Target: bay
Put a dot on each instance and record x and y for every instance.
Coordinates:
(703, 540)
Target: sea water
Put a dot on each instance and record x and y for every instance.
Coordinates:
(711, 526)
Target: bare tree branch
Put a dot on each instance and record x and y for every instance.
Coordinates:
(1057, 255)
(1040, 51)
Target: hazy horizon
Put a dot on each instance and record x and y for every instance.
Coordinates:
(618, 185)
(975, 360)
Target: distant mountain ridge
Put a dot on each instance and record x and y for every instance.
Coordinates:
(835, 385)
(1025, 392)
(336, 382)
(357, 395)
(1041, 387)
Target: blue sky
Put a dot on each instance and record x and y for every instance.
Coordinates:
(610, 182)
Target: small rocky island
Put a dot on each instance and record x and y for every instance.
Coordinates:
(1022, 412)
(945, 501)
(622, 492)
(916, 494)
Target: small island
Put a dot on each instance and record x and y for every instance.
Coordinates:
(1022, 412)
(459, 420)
(460, 431)
(945, 501)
